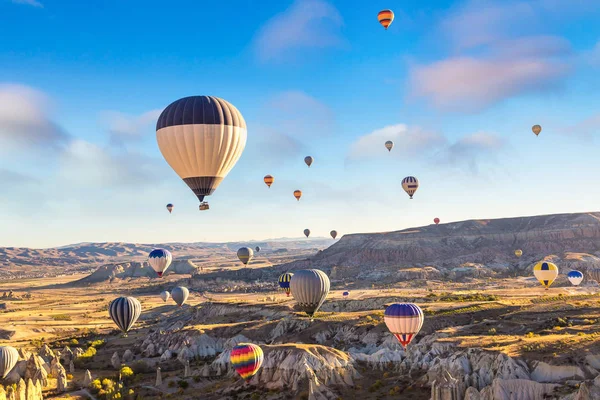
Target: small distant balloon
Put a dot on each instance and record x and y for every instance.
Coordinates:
(180, 295)
(333, 234)
(518, 252)
(389, 145)
(410, 184)
(269, 180)
(246, 359)
(170, 207)
(346, 294)
(308, 160)
(536, 129)
(297, 194)
(284, 282)
(436, 220)
(165, 296)
(245, 254)
(575, 277)
(385, 18)
(546, 273)
(257, 248)
(159, 260)
(307, 232)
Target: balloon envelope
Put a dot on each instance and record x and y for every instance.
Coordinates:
(8, 359)
(389, 145)
(536, 129)
(346, 294)
(201, 138)
(385, 18)
(246, 359)
(308, 160)
(333, 234)
(284, 282)
(410, 184)
(307, 232)
(159, 260)
(297, 194)
(575, 277)
(257, 248)
(165, 296)
(180, 295)
(124, 311)
(170, 207)
(545, 272)
(436, 220)
(310, 288)
(518, 252)
(594, 274)
(245, 254)
(269, 180)
(404, 320)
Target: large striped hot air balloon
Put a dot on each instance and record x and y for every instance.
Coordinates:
(536, 129)
(245, 255)
(594, 274)
(284, 282)
(269, 180)
(546, 273)
(310, 288)
(389, 145)
(246, 359)
(518, 252)
(201, 138)
(297, 194)
(124, 311)
(308, 160)
(404, 320)
(385, 18)
(575, 277)
(410, 184)
(180, 295)
(8, 359)
(159, 260)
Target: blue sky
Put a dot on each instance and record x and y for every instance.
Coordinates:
(456, 85)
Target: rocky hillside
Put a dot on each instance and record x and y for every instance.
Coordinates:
(127, 270)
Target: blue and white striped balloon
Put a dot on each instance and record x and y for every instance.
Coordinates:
(404, 320)
(575, 277)
(124, 311)
(159, 260)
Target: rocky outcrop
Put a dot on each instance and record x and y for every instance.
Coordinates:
(115, 361)
(127, 356)
(135, 270)
(87, 378)
(46, 353)
(547, 373)
(61, 380)
(517, 389)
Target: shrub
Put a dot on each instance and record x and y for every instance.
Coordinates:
(492, 331)
(376, 386)
(171, 384)
(126, 372)
(70, 377)
(141, 367)
(183, 384)
(61, 317)
(529, 334)
(73, 342)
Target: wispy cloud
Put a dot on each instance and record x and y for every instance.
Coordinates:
(25, 120)
(496, 53)
(305, 24)
(124, 127)
(32, 3)
(408, 142)
(586, 129)
(470, 150)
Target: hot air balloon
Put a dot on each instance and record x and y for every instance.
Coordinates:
(389, 145)
(518, 252)
(310, 288)
(245, 254)
(594, 274)
(246, 359)
(404, 320)
(284, 282)
(159, 260)
(297, 194)
(546, 273)
(269, 180)
(575, 277)
(536, 129)
(8, 359)
(308, 160)
(307, 232)
(257, 248)
(436, 220)
(346, 294)
(180, 295)
(165, 296)
(124, 311)
(333, 234)
(385, 17)
(170, 207)
(201, 138)
(410, 184)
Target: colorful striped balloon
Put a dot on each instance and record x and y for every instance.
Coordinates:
(245, 254)
(385, 18)
(159, 260)
(410, 184)
(546, 273)
(284, 282)
(246, 359)
(404, 320)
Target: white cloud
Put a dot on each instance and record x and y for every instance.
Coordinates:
(25, 119)
(408, 142)
(32, 3)
(124, 127)
(470, 150)
(305, 24)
